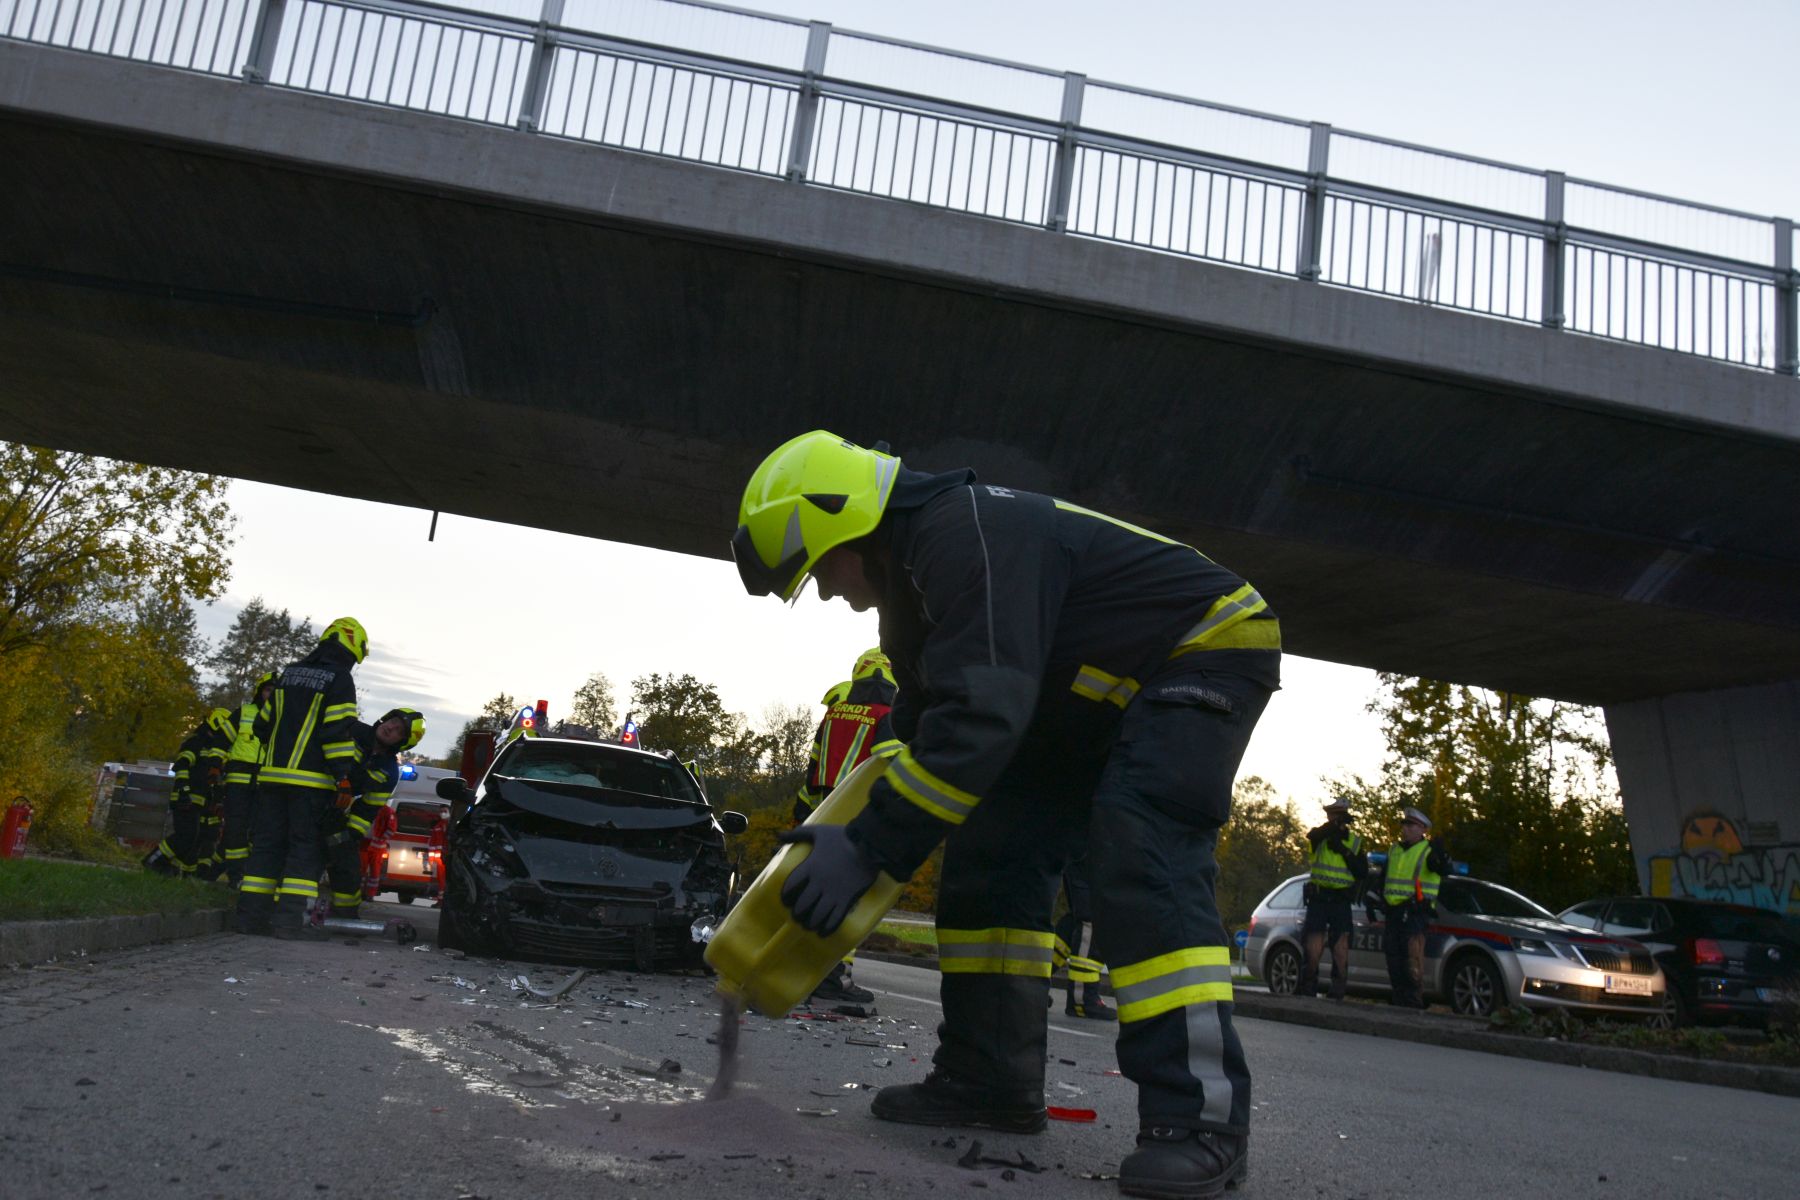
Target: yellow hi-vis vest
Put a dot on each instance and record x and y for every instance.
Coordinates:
(1329, 868)
(1408, 878)
(246, 750)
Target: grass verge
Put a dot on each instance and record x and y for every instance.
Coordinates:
(33, 889)
(1777, 1048)
(895, 937)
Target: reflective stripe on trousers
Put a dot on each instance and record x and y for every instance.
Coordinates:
(995, 951)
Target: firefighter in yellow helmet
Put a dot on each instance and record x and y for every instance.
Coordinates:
(1065, 679)
(373, 778)
(194, 800)
(241, 763)
(856, 725)
(308, 751)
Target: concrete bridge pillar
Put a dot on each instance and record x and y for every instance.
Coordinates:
(1711, 782)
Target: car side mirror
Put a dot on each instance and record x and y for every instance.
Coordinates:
(733, 822)
(453, 789)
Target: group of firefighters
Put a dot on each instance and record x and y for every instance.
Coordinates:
(282, 790)
(1062, 699)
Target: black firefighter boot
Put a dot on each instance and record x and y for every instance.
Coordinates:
(290, 923)
(254, 911)
(945, 1100)
(1092, 1004)
(1174, 1164)
(839, 988)
(160, 862)
(988, 1070)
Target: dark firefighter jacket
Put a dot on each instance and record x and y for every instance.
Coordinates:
(198, 763)
(305, 728)
(374, 774)
(1006, 610)
(857, 723)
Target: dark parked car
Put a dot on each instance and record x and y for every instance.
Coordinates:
(1488, 947)
(1725, 962)
(584, 852)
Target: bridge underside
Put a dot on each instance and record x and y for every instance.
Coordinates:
(579, 370)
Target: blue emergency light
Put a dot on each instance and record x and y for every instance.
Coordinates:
(408, 771)
(629, 736)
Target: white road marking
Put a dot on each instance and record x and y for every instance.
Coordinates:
(935, 1004)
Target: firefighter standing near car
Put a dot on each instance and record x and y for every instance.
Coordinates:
(1409, 888)
(1065, 678)
(857, 724)
(240, 782)
(194, 799)
(1339, 865)
(373, 778)
(308, 753)
(1075, 946)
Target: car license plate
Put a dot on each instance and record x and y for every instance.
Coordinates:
(1628, 985)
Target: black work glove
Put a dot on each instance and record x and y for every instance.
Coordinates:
(828, 881)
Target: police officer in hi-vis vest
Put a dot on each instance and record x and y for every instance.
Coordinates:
(1409, 888)
(1339, 863)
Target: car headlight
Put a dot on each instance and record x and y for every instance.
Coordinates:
(1549, 949)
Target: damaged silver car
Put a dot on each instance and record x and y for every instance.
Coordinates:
(585, 852)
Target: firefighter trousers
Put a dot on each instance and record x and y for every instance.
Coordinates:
(287, 853)
(343, 866)
(1149, 811)
(234, 836)
(1075, 931)
(179, 847)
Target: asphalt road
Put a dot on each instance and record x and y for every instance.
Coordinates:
(240, 1067)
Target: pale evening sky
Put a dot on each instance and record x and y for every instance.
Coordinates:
(1669, 98)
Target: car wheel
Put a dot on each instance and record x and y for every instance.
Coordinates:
(1282, 971)
(449, 935)
(406, 897)
(1673, 1014)
(454, 934)
(1476, 989)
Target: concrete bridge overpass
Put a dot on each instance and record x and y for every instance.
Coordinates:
(419, 309)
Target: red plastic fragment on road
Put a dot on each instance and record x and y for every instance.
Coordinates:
(1072, 1114)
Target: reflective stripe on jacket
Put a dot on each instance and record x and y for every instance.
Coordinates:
(307, 725)
(1004, 607)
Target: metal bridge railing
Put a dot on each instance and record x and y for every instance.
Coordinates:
(799, 100)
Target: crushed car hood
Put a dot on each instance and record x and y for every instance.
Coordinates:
(596, 808)
(551, 860)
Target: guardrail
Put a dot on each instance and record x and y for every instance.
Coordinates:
(823, 107)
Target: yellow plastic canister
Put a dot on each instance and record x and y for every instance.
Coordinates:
(763, 958)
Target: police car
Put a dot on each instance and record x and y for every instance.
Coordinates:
(1487, 947)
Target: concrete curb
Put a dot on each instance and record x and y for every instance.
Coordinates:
(1465, 1033)
(39, 941)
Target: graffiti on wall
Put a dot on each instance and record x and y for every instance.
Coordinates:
(1712, 862)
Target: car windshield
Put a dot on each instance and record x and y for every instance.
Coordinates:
(1475, 898)
(597, 766)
